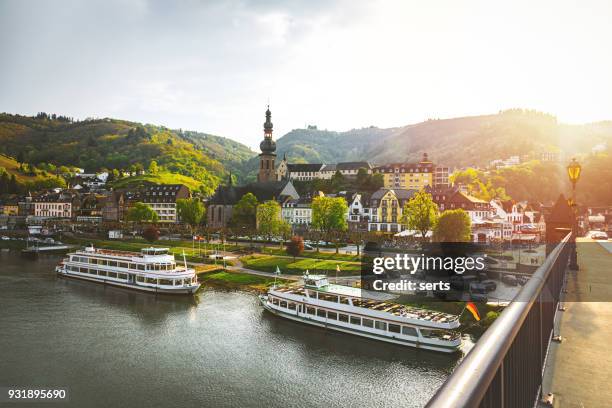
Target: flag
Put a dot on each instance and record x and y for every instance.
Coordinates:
(473, 310)
(277, 272)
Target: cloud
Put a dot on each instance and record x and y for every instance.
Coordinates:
(212, 66)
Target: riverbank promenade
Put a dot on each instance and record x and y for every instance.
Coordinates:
(579, 368)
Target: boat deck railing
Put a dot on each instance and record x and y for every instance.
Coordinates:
(387, 307)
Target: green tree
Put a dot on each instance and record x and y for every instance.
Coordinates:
(244, 213)
(453, 226)
(329, 216)
(269, 220)
(153, 167)
(190, 211)
(420, 213)
(141, 212)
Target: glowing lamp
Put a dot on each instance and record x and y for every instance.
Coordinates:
(573, 171)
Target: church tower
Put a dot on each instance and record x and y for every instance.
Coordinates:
(267, 170)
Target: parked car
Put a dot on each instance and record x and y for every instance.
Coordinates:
(489, 284)
(598, 235)
(509, 280)
(522, 280)
(308, 247)
(5, 238)
(478, 288)
(477, 297)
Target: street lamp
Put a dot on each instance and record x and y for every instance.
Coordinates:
(573, 172)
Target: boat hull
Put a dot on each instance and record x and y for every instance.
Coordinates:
(402, 342)
(178, 291)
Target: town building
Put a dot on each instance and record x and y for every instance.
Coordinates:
(297, 211)
(221, 204)
(162, 199)
(304, 171)
(55, 205)
(10, 208)
(414, 176)
(115, 206)
(386, 207)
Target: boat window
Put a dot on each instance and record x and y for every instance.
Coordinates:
(356, 320)
(165, 282)
(368, 322)
(344, 300)
(101, 273)
(141, 267)
(291, 306)
(310, 310)
(380, 325)
(321, 313)
(151, 280)
(112, 263)
(123, 265)
(283, 304)
(332, 315)
(343, 318)
(275, 301)
(394, 328)
(112, 274)
(329, 298)
(409, 331)
(140, 279)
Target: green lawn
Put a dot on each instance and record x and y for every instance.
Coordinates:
(314, 254)
(268, 263)
(237, 280)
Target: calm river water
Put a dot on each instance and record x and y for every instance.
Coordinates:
(117, 348)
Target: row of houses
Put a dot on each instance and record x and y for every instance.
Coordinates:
(395, 175)
(95, 205)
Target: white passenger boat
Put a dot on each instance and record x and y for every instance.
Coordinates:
(151, 270)
(344, 309)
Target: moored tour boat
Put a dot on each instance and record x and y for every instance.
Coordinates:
(151, 270)
(344, 309)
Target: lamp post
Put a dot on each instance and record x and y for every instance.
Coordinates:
(573, 172)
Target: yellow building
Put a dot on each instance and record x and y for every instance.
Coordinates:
(386, 209)
(413, 176)
(10, 209)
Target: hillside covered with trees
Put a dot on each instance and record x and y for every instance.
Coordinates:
(456, 142)
(48, 142)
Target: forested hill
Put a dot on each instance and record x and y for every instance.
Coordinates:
(100, 144)
(457, 142)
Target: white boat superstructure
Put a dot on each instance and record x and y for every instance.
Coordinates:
(151, 270)
(344, 309)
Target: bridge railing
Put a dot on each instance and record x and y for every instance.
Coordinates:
(505, 367)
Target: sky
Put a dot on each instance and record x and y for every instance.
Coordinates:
(212, 66)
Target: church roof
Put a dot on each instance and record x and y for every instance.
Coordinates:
(264, 191)
(310, 167)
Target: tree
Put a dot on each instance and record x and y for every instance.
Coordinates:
(141, 212)
(329, 216)
(190, 211)
(244, 213)
(153, 167)
(453, 226)
(295, 247)
(151, 233)
(420, 213)
(269, 221)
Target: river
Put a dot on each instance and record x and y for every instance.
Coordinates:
(116, 348)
